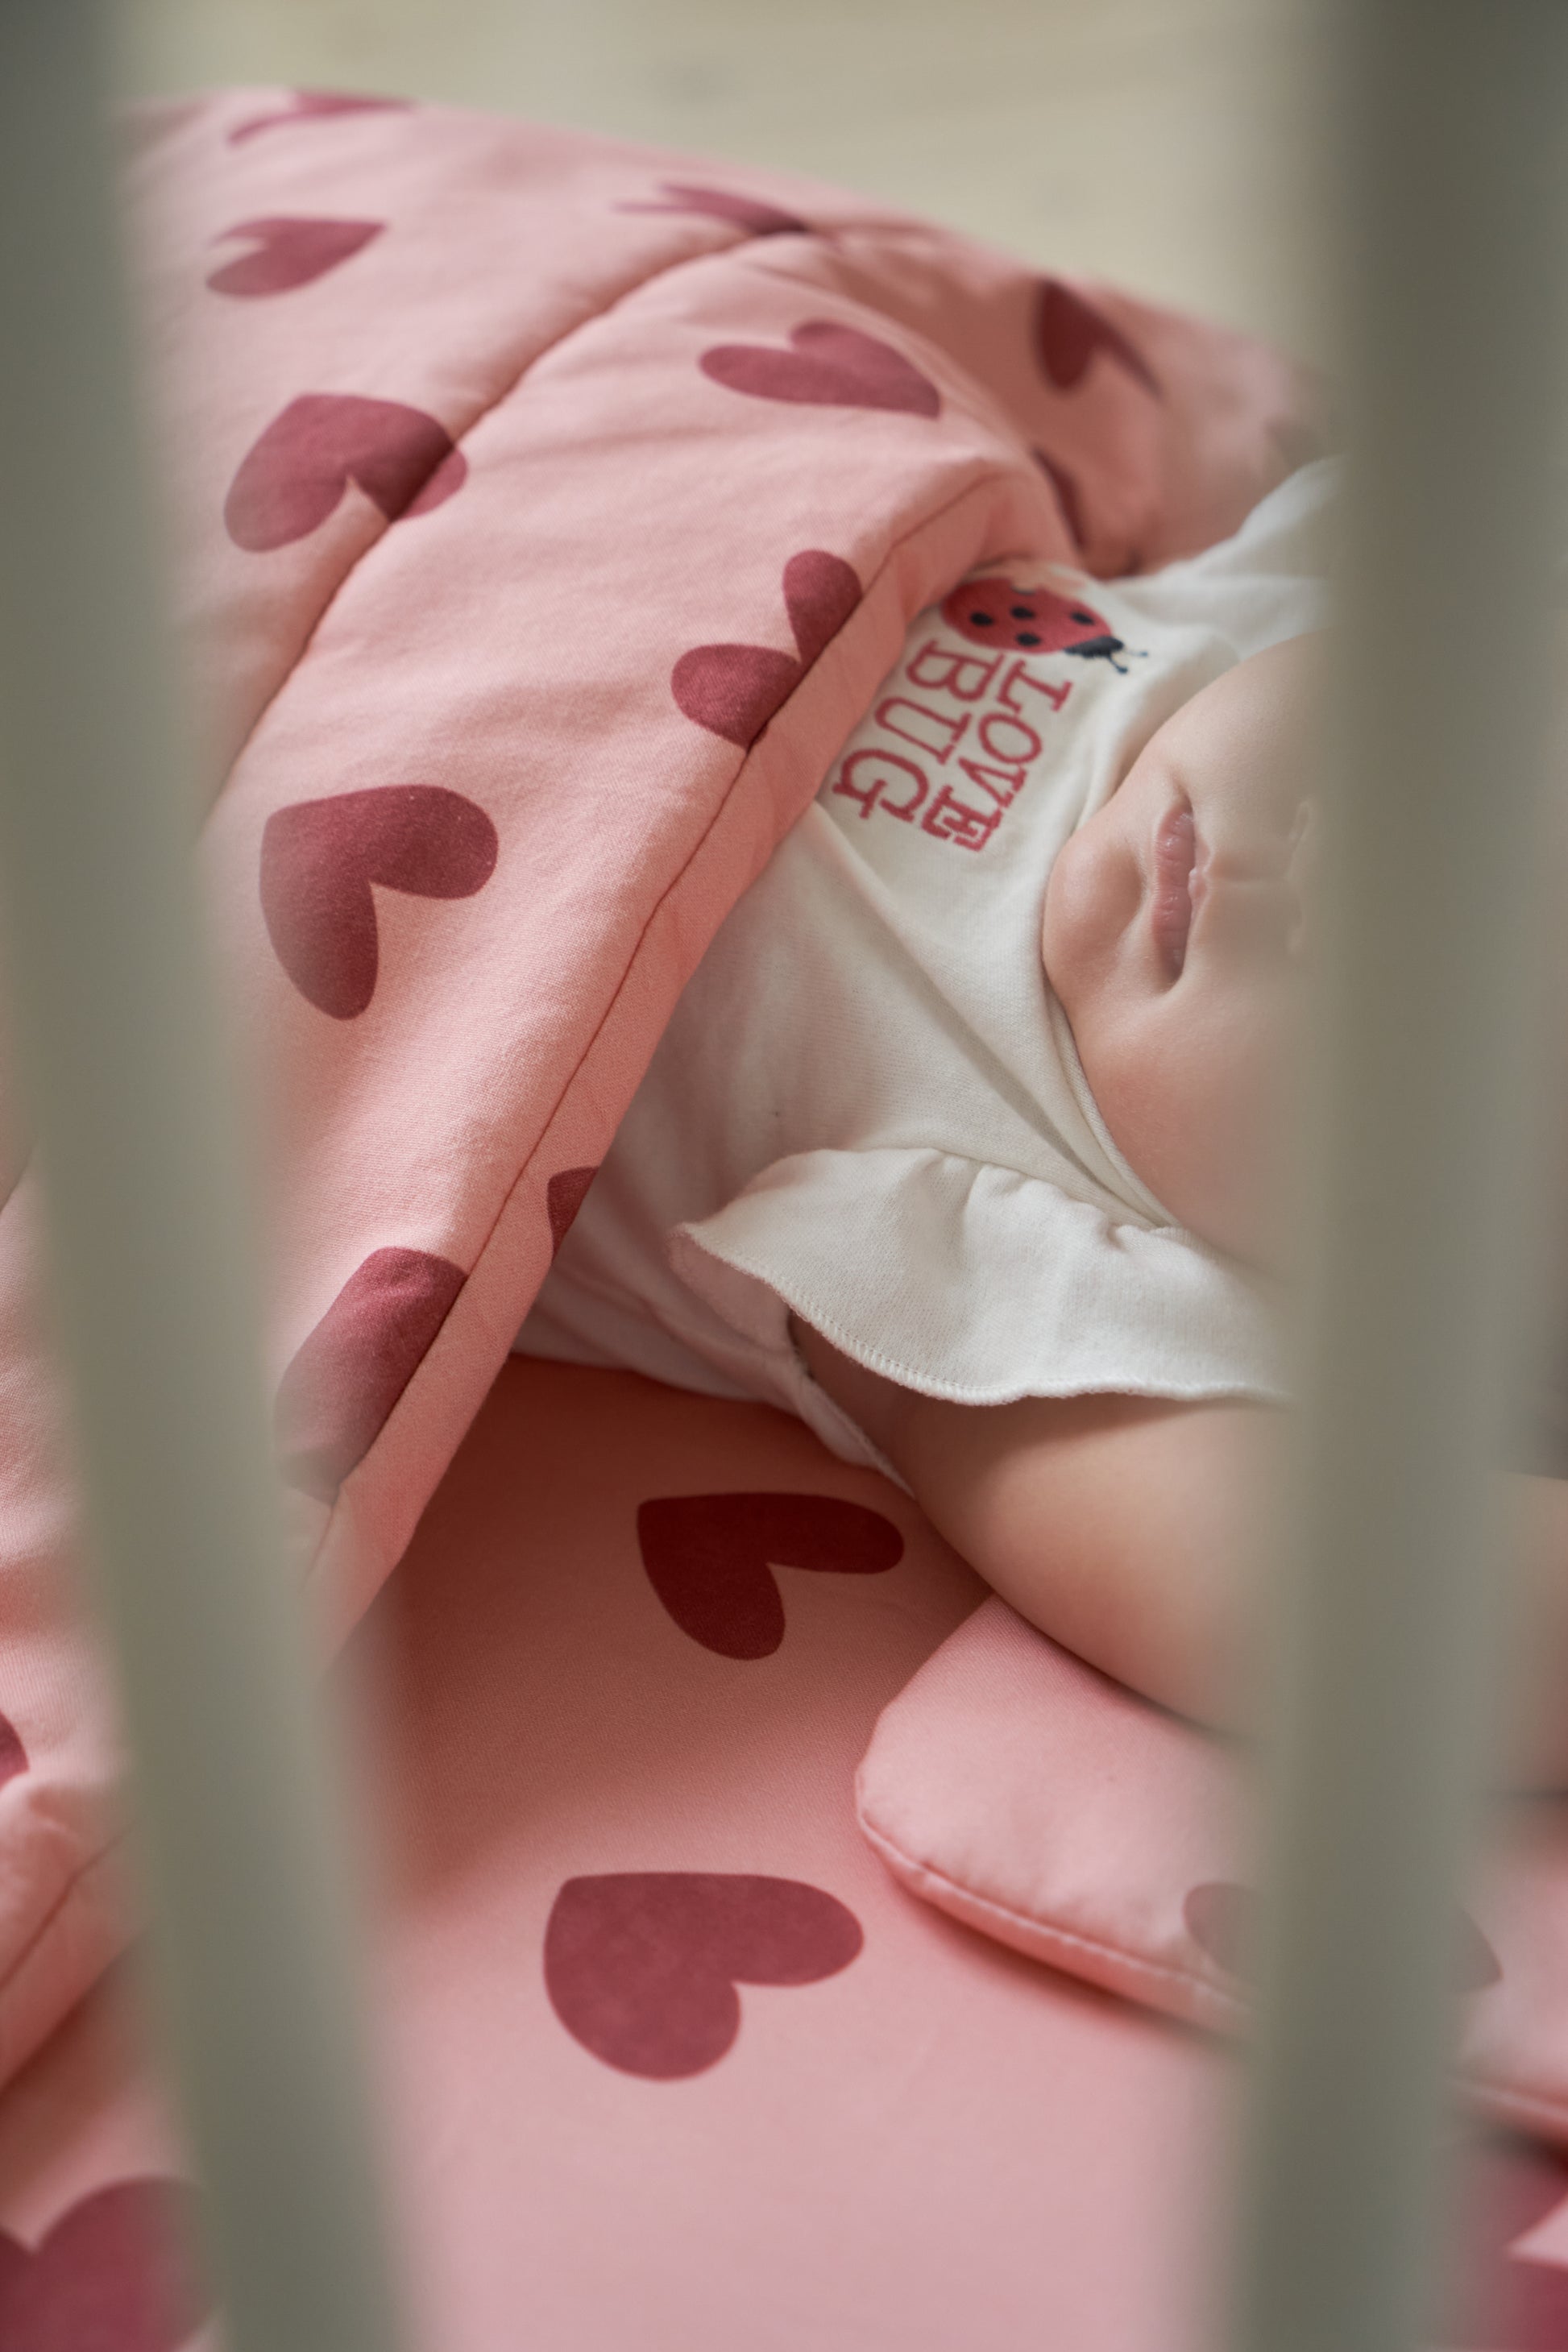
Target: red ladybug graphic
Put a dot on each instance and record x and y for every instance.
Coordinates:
(1031, 620)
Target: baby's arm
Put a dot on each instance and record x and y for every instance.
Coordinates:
(1119, 1524)
(1131, 1529)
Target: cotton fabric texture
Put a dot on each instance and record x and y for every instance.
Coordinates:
(867, 1108)
(484, 441)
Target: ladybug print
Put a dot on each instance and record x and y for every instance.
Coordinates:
(1030, 620)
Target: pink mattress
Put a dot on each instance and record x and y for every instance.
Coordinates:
(611, 1754)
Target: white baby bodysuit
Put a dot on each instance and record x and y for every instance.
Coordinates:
(866, 1108)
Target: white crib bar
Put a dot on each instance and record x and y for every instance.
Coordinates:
(117, 1027)
(1443, 117)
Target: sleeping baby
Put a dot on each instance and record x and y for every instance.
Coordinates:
(969, 1138)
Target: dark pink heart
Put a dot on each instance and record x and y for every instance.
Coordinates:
(295, 474)
(710, 1559)
(1222, 1918)
(641, 1967)
(289, 252)
(316, 106)
(345, 1376)
(821, 590)
(114, 2274)
(1501, 2301)
(735, 690)
(564, 1196)
(829, 366)
(748, 213)
(319, 859)
(13, 1755)
(1068, 496)
(1068, 331)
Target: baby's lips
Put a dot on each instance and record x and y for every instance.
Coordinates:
(1176, 860)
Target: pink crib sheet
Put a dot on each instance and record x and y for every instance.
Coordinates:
(671, 2061)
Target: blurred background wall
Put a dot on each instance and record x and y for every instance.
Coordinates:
(1166, 145)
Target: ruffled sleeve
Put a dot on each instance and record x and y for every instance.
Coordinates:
(976, 1283)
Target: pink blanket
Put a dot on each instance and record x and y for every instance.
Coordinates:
(548, 512)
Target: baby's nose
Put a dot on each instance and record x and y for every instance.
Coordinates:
(1264, 908)
(1305, 844)
(1277, 847)
(1302, 870)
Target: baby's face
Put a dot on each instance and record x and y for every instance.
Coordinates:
(1173, 938)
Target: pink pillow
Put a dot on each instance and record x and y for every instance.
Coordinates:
(1031, 1797)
